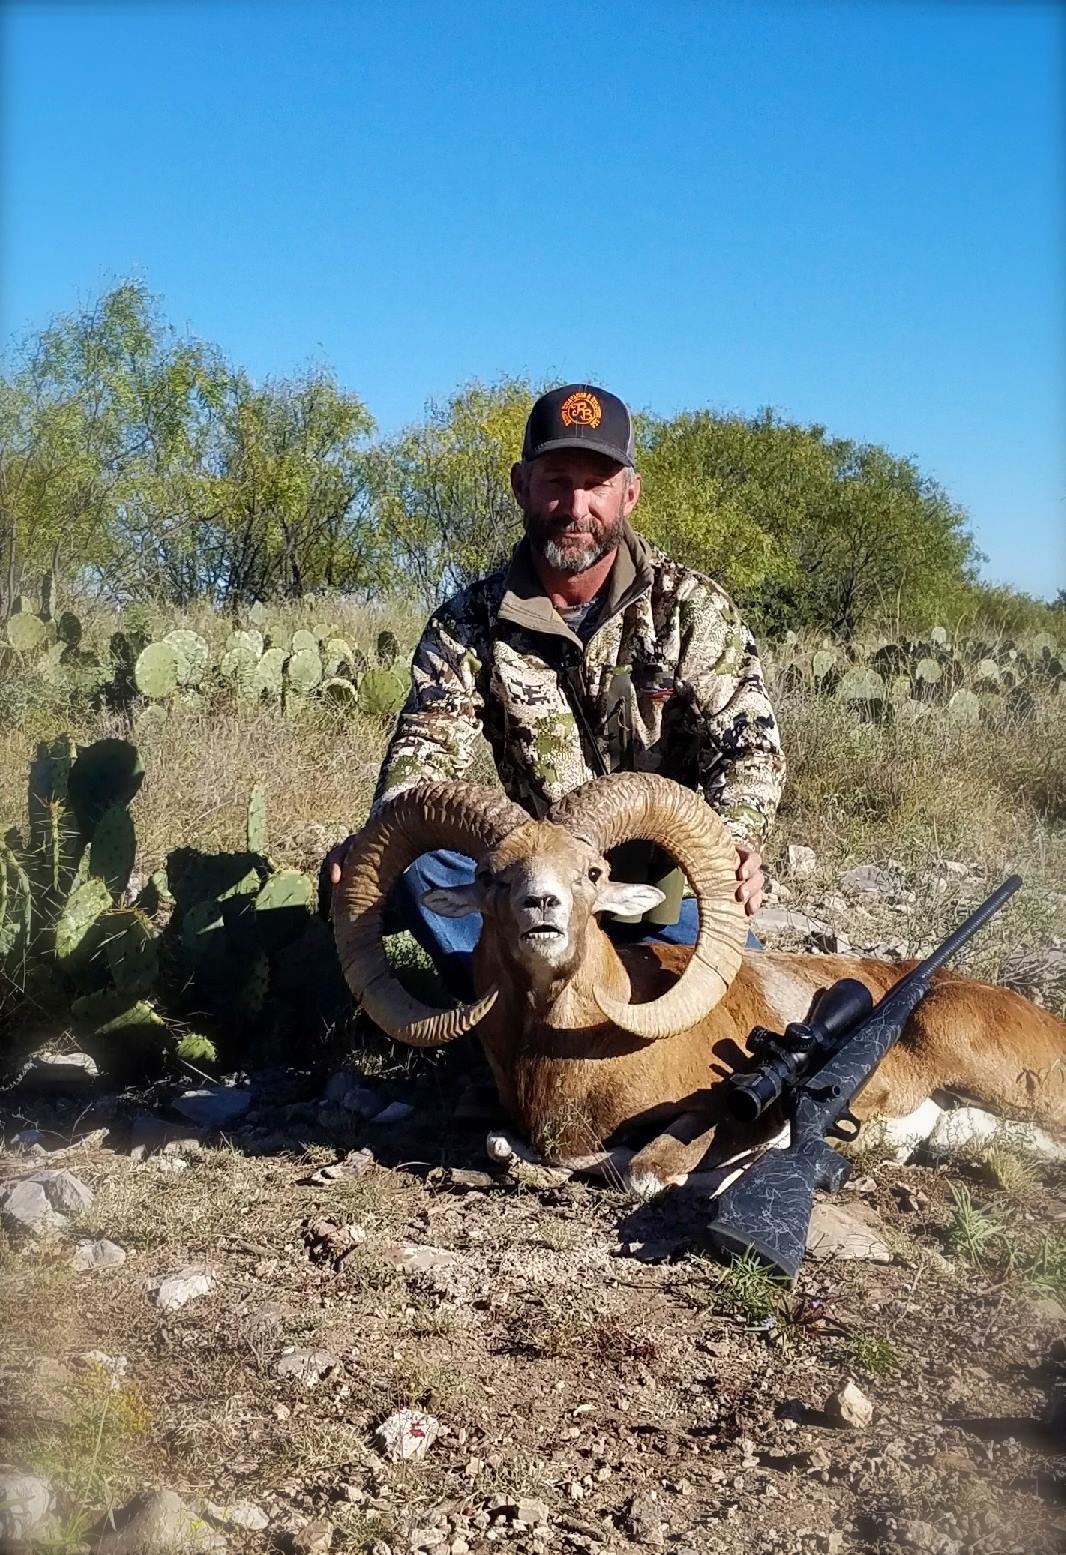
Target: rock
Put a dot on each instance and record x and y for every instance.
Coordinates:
(306, 1366)
(113, 1366)
(418, 1259)
(644, 1522)
(427, 1538)
(237, 1514)
(1038, 974)
(1048, 1308)
(25, 1501)
(888, 949)
(529, 1510)
(150, 1135)
(851, 1233)
(850, 1406)
(395, 1112)
(788, 920)
(802, 861)
(344, 1090)
(314, 1538)
(100, 1254)
(171, 1291)
(156, 1522)
(65, 1073)
(213, 1106)
(43, 1201)
(832, 941)
(871, 880)
(407, 1433)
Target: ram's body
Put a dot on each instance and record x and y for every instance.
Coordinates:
(571, 1081)
(587, 1040)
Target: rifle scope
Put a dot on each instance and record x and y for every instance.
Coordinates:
(787, 1058)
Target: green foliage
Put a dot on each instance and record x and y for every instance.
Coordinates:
(877, 1357)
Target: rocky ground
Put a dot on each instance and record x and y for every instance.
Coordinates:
(299, 1312)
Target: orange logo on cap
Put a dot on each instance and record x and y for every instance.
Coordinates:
(581, 409)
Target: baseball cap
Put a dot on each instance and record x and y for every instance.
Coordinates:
(580, 416)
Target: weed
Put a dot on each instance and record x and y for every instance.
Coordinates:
(875, 1356)
(1011, 1169)
(972, 1231)
(751, 1288)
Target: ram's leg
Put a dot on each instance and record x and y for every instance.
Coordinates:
(668, 1159)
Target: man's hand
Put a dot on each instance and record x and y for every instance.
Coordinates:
(752, 880)
(329, 877)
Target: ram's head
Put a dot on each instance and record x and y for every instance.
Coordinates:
(538, 883)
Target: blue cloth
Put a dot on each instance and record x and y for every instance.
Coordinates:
(450, 941)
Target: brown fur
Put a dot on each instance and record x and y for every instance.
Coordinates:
(571, 1080)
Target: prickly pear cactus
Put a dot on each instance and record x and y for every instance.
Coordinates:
(193, 653)
(268, 677)
(303, 672)
(387, 649)
(157, 673)
(26, 633)
(113, 849)
(131, 947)
(335, 653)
(303, 642)
(382, 692)
(341, 693)
(282, 907)
(78, 928)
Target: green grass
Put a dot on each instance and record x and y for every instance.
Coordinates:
(875, 1356)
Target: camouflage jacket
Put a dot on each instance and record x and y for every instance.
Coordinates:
(667, 680)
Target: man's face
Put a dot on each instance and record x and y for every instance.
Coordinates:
(574, 503)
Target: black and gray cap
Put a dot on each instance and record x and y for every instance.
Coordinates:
(580, 416)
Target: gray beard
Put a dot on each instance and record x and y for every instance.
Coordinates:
(563, 559)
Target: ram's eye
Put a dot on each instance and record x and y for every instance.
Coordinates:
(594, 874)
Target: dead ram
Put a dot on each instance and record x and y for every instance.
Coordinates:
(588, 1040)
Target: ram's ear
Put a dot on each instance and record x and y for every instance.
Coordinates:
(453, 901)
(628, 900)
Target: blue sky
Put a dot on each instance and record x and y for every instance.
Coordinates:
(850, 211)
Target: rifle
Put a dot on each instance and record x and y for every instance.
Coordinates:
(818, 1066)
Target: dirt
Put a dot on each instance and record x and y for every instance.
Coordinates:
(578, 1348)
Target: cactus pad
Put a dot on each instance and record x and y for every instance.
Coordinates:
(112, 849)
(131, 947)
(77, 930)
(304, 642)
(861, 685)
(382, 692)
(282, 907)
(26, 633)
(268, 678)
(335, 653)
(965, 707)
(341, 693)
(304, 670)
(194, 655)
(157, 672)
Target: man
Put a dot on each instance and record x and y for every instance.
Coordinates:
(591, 652)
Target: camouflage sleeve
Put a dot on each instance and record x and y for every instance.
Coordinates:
(742, 768)
(438, 726)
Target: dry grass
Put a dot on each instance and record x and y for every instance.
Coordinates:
(916, 790)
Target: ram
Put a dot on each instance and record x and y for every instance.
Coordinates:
(588, 1040)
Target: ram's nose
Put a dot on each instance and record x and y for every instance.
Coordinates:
(544, 903)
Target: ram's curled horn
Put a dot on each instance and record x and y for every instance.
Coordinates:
(638, 805)
(462, 816)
